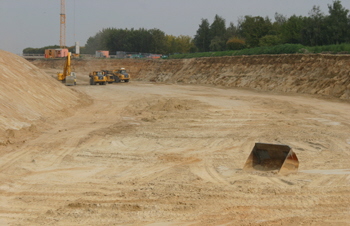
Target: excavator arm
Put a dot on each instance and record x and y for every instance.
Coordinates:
(67, 76)
(66, 70)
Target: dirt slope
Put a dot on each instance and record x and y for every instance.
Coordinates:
(27, 95)
(326, 75)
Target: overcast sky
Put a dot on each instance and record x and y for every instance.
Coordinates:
(36, 23)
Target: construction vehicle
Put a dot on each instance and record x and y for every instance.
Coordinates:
(109, 75)
(121, 75)
(97, 77)
(272, 157)
(68, 77)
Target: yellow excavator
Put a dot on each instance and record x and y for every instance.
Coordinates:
(68, 77)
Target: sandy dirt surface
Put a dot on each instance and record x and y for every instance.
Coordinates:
(28, 94)
(159, 154)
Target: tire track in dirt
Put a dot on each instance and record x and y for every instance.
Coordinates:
(171, 156)
(208, 173)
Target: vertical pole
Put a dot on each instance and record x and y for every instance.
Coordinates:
(63, 25)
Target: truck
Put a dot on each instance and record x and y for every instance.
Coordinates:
(97, 77)
(120, 75)
(109, 75)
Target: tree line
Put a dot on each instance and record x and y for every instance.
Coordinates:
(316, 29)
(41, 50)
(140, 40)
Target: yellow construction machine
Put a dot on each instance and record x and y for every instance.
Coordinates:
(272, 158)
(68, 77)
(120, 75)
(97, 77)
(109, 75)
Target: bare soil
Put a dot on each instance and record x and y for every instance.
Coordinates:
(143, 153)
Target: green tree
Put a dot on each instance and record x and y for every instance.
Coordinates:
(94, 43)
(291, 30)
(218, 27)
(337, 24)
(217, 44)
(141, 40)
(254, 28)
(158, 42)
(202, 38)
(185, 44)
(314, 26)
(180, 44)
(114, 39)
(171, 44)
(270, 40)
(231, 32)
(218, 34)
(280, 20)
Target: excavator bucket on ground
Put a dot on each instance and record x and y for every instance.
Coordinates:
(272, 157)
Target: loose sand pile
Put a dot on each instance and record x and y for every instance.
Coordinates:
(27, 95)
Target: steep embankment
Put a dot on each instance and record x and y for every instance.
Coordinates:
(27, 95)
(327, 75)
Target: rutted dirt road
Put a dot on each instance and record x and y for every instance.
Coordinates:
(158, 154)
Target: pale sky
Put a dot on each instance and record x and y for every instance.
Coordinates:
(36, 23)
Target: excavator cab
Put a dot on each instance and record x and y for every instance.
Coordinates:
(272, 157)
(71, 80)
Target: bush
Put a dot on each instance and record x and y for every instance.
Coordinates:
(333, 49)
(278, 49)
(270, 40)
(235, 44)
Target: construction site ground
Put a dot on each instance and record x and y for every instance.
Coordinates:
(145, 153)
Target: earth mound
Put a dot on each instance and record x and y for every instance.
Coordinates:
(28, 95)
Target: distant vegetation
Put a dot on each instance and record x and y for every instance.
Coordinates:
(30, 50)
(258, 35)
(139, 41)
(315, 33)
(278, 49)
(41, 50)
